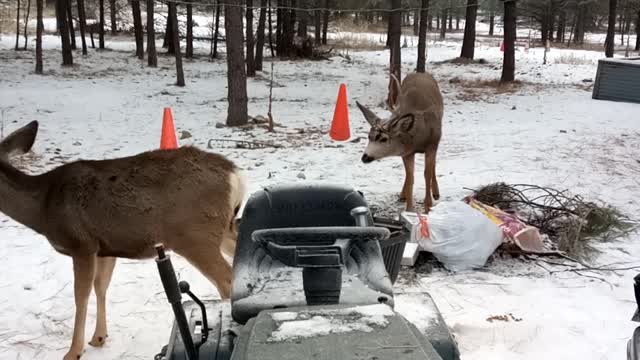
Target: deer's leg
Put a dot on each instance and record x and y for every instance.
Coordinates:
(429, 175)
(435, 189)
(407, 189)
(100, 284)
(209, 261)
(84, 268)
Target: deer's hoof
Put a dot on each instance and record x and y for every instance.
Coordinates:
(436, 196)
(98, 340)
(72, 355)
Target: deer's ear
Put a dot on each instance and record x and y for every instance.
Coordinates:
(404, 123)
(371, 118)
(20, 140)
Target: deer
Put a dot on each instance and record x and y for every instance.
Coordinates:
(98, 210)
(414, 127)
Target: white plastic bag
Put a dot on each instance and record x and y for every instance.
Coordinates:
(460, 237)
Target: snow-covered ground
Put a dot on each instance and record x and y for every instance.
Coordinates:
(548, 132)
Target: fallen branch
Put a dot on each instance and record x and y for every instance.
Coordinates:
(243, 144)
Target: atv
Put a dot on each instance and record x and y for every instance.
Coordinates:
(310, 282)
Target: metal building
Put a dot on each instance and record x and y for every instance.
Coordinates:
(618, 79)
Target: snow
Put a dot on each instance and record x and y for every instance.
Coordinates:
(548, 132)
(307, 324)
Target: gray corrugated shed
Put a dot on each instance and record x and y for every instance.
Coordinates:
(618, 80)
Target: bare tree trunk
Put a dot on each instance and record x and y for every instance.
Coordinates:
(39, 29)
(492, 19)
(395, 20)
(101, 34)
(251, 64)
(325, 22)
(422, 36)
(416, 22)
(580, 24)
(18, 26)
(26, 21)
(217, 30)
(638, 32)
(152, 56)
(317, 25)
(176, 43)
(189, 51)
(236, 77)
(430, 23)
(137, 25)
(621, 19)
(260, 36)
(509, 61)
(562, 25)
(303, 22)
(112, 7)
(450, 12)
(61, 12)
(72, 33)
(457, 21)
(611, 29)
(270, 28)
(168, 34)
(443, 23)
(83, 26)
(469, 40)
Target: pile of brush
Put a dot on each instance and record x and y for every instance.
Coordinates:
(570, 223)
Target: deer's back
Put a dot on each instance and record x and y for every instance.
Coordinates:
(124, 206)
(420, 93)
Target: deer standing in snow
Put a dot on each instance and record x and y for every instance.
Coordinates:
(95, 211)
(415, 126)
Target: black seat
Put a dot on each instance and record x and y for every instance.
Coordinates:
(261, 282)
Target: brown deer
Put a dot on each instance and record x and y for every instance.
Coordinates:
(415, 126)
(98, 210)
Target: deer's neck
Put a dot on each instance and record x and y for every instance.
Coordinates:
(21, 196)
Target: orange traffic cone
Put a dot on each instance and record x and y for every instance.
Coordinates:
(168, 137)
(340, 125)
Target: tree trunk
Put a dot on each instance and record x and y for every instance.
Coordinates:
(101, 35)
(450, 12)
(438, 21)
(236, 77)
(176, 43)
(152, 56)
(217, 30)
(39, 29)
(325, 22)
(137, 25)
(422, 36)
(457, 21)
(621, 19)
(251, 63)
(260, 36)
(18, 26)
(638, 32)
(580, 23)
(562, 24)
(26, 22)
(430, 23)
(611, 29)
(416, 23)
(469, 40)
(83, 26)
(509, 61)
(395, 21)
(61, 12)
(279, 21)
(443, 23)
(492, 19)
(317, 23)
(303, 22)
(168, 34)
(72, 33)
(270, 28)
(189, 52)
(112, 7)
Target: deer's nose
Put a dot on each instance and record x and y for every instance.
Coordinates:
(366, 158)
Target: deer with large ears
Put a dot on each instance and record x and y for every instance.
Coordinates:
(415, 126)
(95, 211)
